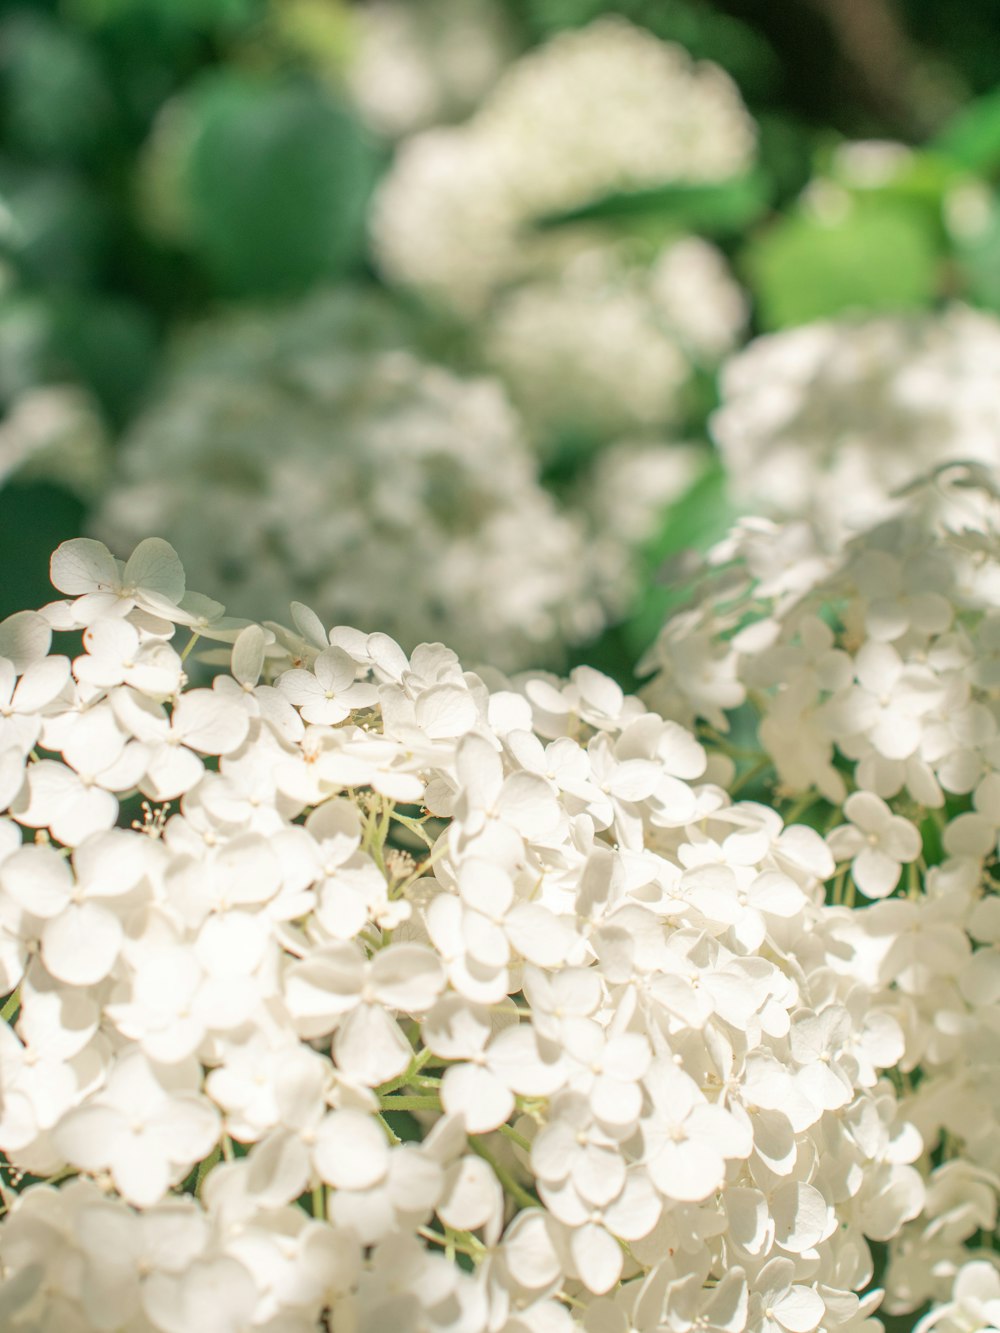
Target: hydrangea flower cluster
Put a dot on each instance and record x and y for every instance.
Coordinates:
(601, 342)
(392, 473)
(825, 421)
(873, 675)
(411, 997)
(595, 111)
(421, 62)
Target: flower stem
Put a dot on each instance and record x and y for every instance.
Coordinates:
(510, 1185)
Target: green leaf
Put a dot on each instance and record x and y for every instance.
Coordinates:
(34, 519)
(977, 260)
(56, 104)
(880, 257)
(702, 516)
(276, 184)
(714, 210)
(972, 138)
(110, 344)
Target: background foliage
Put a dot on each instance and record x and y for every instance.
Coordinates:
(162, 160)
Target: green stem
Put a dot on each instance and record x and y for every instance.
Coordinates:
(510, 1185)
(416, 826)
(408, 1103)
(318, 1200)
(803, 804)
(515, 1137)
(12, 1004)
(389, 1132)
(213, 1157)
(461, 1241)
(759, 767)
(414, 1068)
(195, 636)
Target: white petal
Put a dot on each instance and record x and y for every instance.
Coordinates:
(875, 874)
(472, 1195)
(81, 944)
(478, 1095)
(279, 1169)
(529, 1253)
(801, 1310)
(37, 879)
(248, 654)
(350, 1150)
(207, 721)
(407, 977)
(83, 565)
(370, 1048)
(154, 567)
(25, 637)
(598, 1257)
(687, 1171)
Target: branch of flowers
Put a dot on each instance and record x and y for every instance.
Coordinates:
(11, 1005)
(510, 1185)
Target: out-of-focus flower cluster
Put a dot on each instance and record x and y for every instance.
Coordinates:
(826, 421)
(587, 331)
(314, 456)
(417, 63)
(872, 673)
(596, 111)
(401, 966)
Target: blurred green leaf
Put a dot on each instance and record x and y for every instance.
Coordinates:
(714, 210)
(34, 519)
(972, 138)
(277, 181)
(56, 228)
(109, 344)
(699, 518)
(877, 258)
(977, 260)
(55, 101)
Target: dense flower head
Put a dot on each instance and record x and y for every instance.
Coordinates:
(595, 111)
(421, 62)
(602, 342)
(314, 454)
(825, 422)
(869, 668)
(352, 963)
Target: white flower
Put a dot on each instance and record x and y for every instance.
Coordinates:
(148, 1127)
(877, 843)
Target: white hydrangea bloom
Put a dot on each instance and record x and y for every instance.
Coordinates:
(828, 420)
(871, 671)
(416, 64)
(392, 474)
(605, 345)
(595, 111)
(443, 968)
(54, 432)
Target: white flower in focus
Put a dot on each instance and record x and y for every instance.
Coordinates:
(877, 843)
